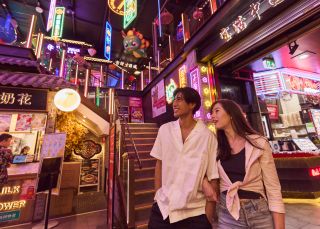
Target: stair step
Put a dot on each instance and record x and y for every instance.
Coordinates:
(142, 224)
(140, 147)
(143, 124)
(147, 172)
(143, 129)
(142, 154)
(142, 212)
(148, 162)
(144, 183)
(140, 141)
(141, 134)
(144, 196)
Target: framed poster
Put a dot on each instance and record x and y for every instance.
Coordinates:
(5, 121)
(158, 99)
(136, 111)
(111, 175)
(24, 143)
(23, 122)
(89, 173)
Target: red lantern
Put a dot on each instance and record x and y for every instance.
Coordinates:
(112, 66)
(166, 18)
(197, 14)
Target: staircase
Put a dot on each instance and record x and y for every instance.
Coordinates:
(144, 136)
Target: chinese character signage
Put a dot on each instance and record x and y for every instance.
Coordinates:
(58, 21)
(107, 42)
(130, 12)
(23, 99)
(158, 99)
(183, 76)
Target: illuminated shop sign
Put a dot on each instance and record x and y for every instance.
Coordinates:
(23, 99)
(126, 64)
(107, 41)
(51, 14)
(58, 21)
(242, 21)
(9, 216)
(116, 6)
(170, 88)
(130, 12)
(195, 84)
(183, 76)
(302, 84)
(70, 50)
(11, 205)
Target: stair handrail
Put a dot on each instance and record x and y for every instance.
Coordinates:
(118, 105)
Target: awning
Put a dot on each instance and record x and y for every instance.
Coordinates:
(33, 80)
(18, 61)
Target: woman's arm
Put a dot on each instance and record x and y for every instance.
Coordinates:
(278, 220)
(272, 186)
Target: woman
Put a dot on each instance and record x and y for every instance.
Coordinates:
(5, 157)
(250, 192)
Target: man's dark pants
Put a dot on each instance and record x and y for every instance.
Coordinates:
(156, 221)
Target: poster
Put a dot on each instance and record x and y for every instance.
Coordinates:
(136, 111)
(273, 111)
(315, 113)
(24, 122)
(89, 175)
(5, 120)
(24, 143)
(53, 146)
(158, 99)
(38, 122)
(111, 176)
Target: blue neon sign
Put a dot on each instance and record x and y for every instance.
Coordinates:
(107, 42)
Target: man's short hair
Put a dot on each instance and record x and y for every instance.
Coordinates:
(190, 95)
(4, 137)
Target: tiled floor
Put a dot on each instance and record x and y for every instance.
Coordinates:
(298, 216)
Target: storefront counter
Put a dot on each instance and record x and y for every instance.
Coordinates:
(17, 197)
(299, 174)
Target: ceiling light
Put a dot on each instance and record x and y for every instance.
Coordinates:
(137, 73)
(304, 55)
(38, 8)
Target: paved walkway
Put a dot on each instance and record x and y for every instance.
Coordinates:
(298, 216)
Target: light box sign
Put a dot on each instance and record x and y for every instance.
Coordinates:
(107, 42)
(183, 76)
(51, 14)
(58, 21)
(130, 12)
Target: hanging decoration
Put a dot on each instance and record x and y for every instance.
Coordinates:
(241, 23)
(8, 34)
(166, 18)
(134, 44)
(130, 12)
(197, 14)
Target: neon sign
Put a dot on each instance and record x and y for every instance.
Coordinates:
(116, 6)
(195, 79)
(58, 21)
(70, 50)
(170, 88)
(130, 12)
(51, 14)
(183, 76)
(107, 41)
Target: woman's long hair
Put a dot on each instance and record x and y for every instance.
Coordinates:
(239, 124)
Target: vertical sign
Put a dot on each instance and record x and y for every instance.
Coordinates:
(195, 84)
(183, 76)
(111, 176)
(58, 21)
(51, 14)
(107, 41)
(130, 12)
(158, 99)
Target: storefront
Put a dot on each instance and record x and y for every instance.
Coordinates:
(265, 57)
(29, 112)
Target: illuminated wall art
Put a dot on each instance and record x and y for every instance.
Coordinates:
(183, 76)
(134, 44)
(170, 88)
(107, 41)
(195, 79)
(58, 21)
(116, 6)
(51, 14)
(130, 12)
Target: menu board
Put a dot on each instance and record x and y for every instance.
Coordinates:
(136, 111)
(305, 144)
(89, 175)
(316, 119)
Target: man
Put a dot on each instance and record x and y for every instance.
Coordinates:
(186, 155)
(5, 157)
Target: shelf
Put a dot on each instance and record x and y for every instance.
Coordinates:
(289, 127)
(88, 185)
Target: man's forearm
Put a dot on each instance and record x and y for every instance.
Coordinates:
(157, 176)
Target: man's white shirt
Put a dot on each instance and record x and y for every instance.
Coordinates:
(184, 166)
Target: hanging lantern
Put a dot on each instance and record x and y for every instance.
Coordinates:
(197, 14)
(166, 18)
